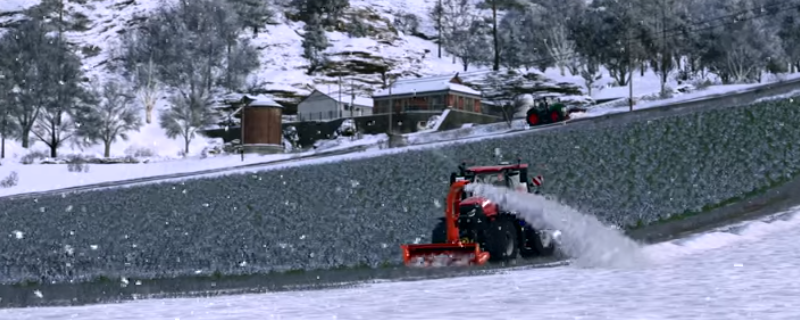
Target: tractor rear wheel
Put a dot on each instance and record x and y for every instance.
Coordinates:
(533, 119)
(439, 234)
(501, 240)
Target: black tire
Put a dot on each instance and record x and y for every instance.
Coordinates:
(532, 117)
(541, 249)
(528, 248)
(439, 234)
(502, 240)
(534, 246)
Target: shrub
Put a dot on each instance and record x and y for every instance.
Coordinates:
(10, 181)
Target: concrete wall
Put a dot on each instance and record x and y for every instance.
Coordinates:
(310, 132)
(347, 213)
(407, 122)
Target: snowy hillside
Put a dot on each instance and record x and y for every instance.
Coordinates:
(382, 48)
(97, 25)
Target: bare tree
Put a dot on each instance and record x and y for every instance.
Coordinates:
(458, 16)
(62, 90)
(498, 88)
(255, 13)
(193, 52)
(469, 45)
(111, 118)
(148, 90)
(496, 5)
(559, 46)
(8, 103)
(185, 116)
(437, 15)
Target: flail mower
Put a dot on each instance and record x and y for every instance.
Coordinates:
(475, 230)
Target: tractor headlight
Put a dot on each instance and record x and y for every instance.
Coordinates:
(472, 213)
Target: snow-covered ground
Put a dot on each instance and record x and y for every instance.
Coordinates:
(36, 178)
(16, 5)
(745, 271)
(708, 92)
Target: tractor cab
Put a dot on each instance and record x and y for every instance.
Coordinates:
(545, 102)
(512, 176)
(505, 174)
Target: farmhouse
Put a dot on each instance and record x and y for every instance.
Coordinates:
(321, 106)
(428, 94)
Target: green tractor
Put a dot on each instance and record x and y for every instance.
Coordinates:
(546, 109)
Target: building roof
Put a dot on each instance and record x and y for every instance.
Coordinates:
(262, 101)
(427, 84)
(258, 100)
(358, 101)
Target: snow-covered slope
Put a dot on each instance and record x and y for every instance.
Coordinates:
(96, 25)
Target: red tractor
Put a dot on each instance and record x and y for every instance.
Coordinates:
(475, 229)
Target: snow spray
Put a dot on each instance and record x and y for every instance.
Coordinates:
(586, 240)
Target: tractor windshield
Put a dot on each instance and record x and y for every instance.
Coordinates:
(496, 179)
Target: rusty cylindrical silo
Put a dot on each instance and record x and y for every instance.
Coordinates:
(261, 127)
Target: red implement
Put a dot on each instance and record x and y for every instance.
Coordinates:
(453, 252)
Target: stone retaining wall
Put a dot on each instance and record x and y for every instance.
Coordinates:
(359, 212)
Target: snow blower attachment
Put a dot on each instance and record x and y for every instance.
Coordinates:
(475, 230)
(453, 251)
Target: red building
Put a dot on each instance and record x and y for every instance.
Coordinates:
(427, 94)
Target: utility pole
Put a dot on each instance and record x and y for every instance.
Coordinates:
(391, 106)
(241, 131)
(352, 117)
(439, 24)
(630, 64)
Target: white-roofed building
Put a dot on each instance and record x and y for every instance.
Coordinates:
(321, 106)
(428, 94)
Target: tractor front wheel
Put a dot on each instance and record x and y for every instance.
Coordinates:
(537, 244)
(555, 116)
(501, 240)
(529, 248)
